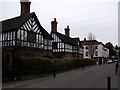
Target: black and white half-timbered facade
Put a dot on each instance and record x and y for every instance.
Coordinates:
(26, 33)
(23, 37)
(63, 45)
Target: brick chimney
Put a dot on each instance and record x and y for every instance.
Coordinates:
(67, 33)
(54, 25)
(84, 39)
(25, 7)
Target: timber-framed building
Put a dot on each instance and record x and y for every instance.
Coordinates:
(23, 37)
(63, 45)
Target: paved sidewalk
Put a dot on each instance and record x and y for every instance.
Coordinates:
(90, 77)
(119, 77)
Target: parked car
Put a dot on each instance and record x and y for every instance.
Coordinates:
(115, 60)
(110, 61)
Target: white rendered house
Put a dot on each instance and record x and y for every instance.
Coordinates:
(100, 53)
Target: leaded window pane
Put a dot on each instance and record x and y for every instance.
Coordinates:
(31, 37)
(18, 35)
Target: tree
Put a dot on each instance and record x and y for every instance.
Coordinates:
(112, 51)
(91, 46)
(91, 36)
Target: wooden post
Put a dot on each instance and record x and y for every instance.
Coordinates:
(108, 83)
(54, 71)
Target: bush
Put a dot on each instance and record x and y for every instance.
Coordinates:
(38, 66)
(87, 62)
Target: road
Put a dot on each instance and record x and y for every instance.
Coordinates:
(90, 77)
(119, 77)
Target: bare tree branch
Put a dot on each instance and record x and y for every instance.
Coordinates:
(91, 46)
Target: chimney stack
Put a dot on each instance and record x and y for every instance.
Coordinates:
(84, 39)
(25, 7)
(67, 33)
(54, 25)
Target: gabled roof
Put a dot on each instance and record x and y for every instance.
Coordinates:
(16, 22)
(91, 42)
(68, 40)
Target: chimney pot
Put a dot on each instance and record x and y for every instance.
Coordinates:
(84, 39)
(67, 27)
(54, 19)
(54, 25)
(67, 33)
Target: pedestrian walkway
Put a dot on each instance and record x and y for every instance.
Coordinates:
(119, 77)
(90, 77)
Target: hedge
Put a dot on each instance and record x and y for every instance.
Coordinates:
(38, 66)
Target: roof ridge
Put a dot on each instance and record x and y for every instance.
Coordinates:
(16, 22)
(68, 40)
(63, 35)
(18, 17)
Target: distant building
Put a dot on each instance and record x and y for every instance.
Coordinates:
(101, 53)
(63, 45)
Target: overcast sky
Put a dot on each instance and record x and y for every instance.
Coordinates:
(83, 16)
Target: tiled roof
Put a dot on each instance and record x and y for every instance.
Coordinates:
(16, 22)
(68, 40)
(90, 42)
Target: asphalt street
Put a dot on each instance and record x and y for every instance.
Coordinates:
(90, 77)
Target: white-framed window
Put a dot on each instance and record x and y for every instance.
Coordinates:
(86, 47)
(96, 53)
(0, 37)
(86, 53)
(14, 35)
(96, 47)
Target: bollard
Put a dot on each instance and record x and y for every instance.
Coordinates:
(108, 83)
(82, 68)
(54, 72)
(116, 68)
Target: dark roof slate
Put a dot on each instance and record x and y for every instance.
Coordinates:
(68, 40)
(91, 42)
(16, 22)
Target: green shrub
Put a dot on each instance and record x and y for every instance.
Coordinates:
(59, 65)
(38, 66)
